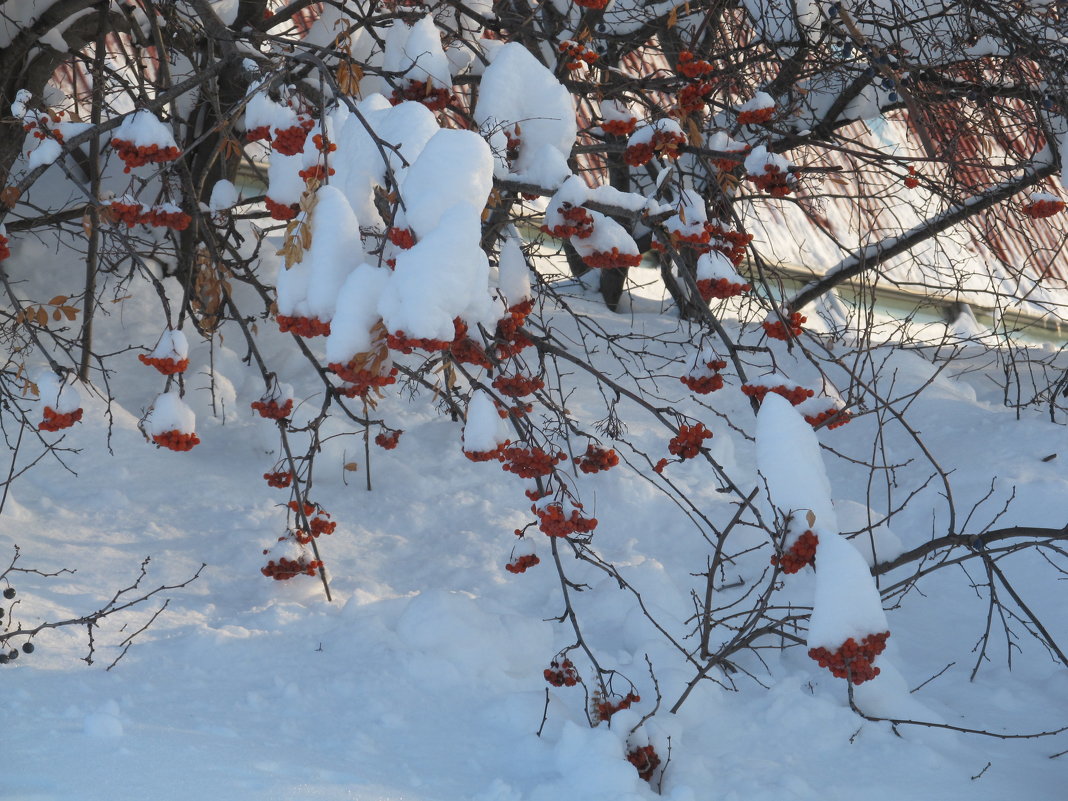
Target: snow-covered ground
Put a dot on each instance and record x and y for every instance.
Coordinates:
(422, 681)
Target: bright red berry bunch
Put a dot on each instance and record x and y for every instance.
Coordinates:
(561, 673)
(255, 134)
(720, 288)
(521, 564)
(554, 523)
(911, 180)
(729, 242)
(422, 92)
(774, 181)
(579, 223)
(852, 661)
(485, 456)
(309, 508)
(279, 480)
(518, 385)
(166, 364)
(5, 251)
(467, 351)
(315, 173)
(798, 555)
(404, 238)
(159, 217)
(401, 342)
(645, 759)
(639, 154)
(602, 708)
(281, 211)
(756, 116)
(285, 569)
(576, 54)
(509, 336)
(529, 462)
(703, 384)
(318, 527)
(321, 146)
(795, 395)
(837, 418)
(777, 330)
(1043, 207)
(54, 421)
(129, 213)
(271, 409)
(140, 155)
(666, 143)
(691, 98)
(620, 127)
(596, 459)
(689, 441)
(359, 380)
(693, 67)
(388, 440)
(307, 327)
(177, 440)
(290, 141)
(611, 259)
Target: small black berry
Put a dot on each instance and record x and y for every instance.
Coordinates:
(3, 659)
(9, 593)
(27, 648)
(13, 655)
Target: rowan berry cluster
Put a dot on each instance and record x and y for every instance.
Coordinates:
(851, 661)
(315, 173)
(318, 527)
(290, 141)
(611, 259)
(509, 337)
(140, 155)
(520, 564)
(404, 238)
(5, 251)
(42, 129)
(165, 364)
(620, 127)
(359, 380)
(401, 342)
(529, 462)
(309, 509)
(1043, 207)
(693, 67)
(603, 709)
(689, 441)
(777, 330)
(321, 146)
(554, 523)
(579, 223)
(576, 54)
(837, 418)
(561, 673)
(388, 440)
(129, 213)
(485, 456)
(798, 555)
(177, 440)
(271, 409)
(467, 351)
(54, 421)
(279, 480)
(729, 242)
(720, 288)
(285, 569)
(518, 410)
(422, 92)
(706, 382)
(281, 211)
(255, 134)
(911, 181)
(307, 327)
(645, 759)
(756, 116)
(596, 459)
(159, 217)
(595, 4)
(692, 98)
(666, 143)
(518, 385)
(795, 395)
(774, 181)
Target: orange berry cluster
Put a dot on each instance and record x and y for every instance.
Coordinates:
(611, 259)
(315, 173)
(693, 67)
(140, 155)
(852, 661)
(756, 116)
(281, 211)
(620, 127)
(360, 381)
(776, 330)
(576, 54)
(317, 140)
(177, 440)
(467, 351)
(729, 242)
(795, 395)
(288, 568)
(911, 181)
(422, 92)
(727, 163)
(645, 759)
(720, 288)
(509, 336)
(1037, 209)
(307, 327)
(638, 154)
(318, 526)
(158, 218)
(255, 134)
(603, 709)
(798, 555)
(485, 456)
(405, 344)
(5, 251)
(309, 509)
(518, 385)
(773, 181)
(579, 223)
(520, 564)
(704, 384)
(596, 459)
(279, 480)
(553, 523)
(404, 238)
(838, 418)
(561, 673)
(529, 462)
(290, 141)
(666, 143)
(689, 441)
(271, 409)
(41, 129)
(388, 440)
(129, 213)
(692, 97)
(54, 421)
(518, 410)
(166, 364)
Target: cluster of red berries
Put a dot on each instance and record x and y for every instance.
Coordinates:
(315, 173)
(692, 98)
(579, 223)
(911, 181)
(666, 143)
(467, 351)
(290, 141)
(611, 259)
(727, 163)
(689, 441)
(306, 327)
(388, 440)
(704, 384)
(404, 238)
(318, 526)
(281, 211)
(518, 410)
(271, 409)
(645, 759)
(42, 129)
(177, 440)
(161, 218)
(422, 92)
(576, 54)
(778, 330)
(166, 364)
(359, 380)
(405, 344)
(529, 462)
(129, 213)
(518, 385)
(693, 67)
(309, 508)
(321, 146)
(1045, 207)
(603, 709)
(720, 288)
(798, 555)
(561, 673)
(596, 459)
(54, 421)
(485, 456)
(509, 336)
(620, 127)
(288, 568)
(255, 134)
(521, 564)
(756, 116)
(279, 480)
(140, 155)
(838, 418)
(5, 251)
(795, 395)
(852, 661)
(773, 180)
(729, 242)
(554, 523)
(595, 4)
